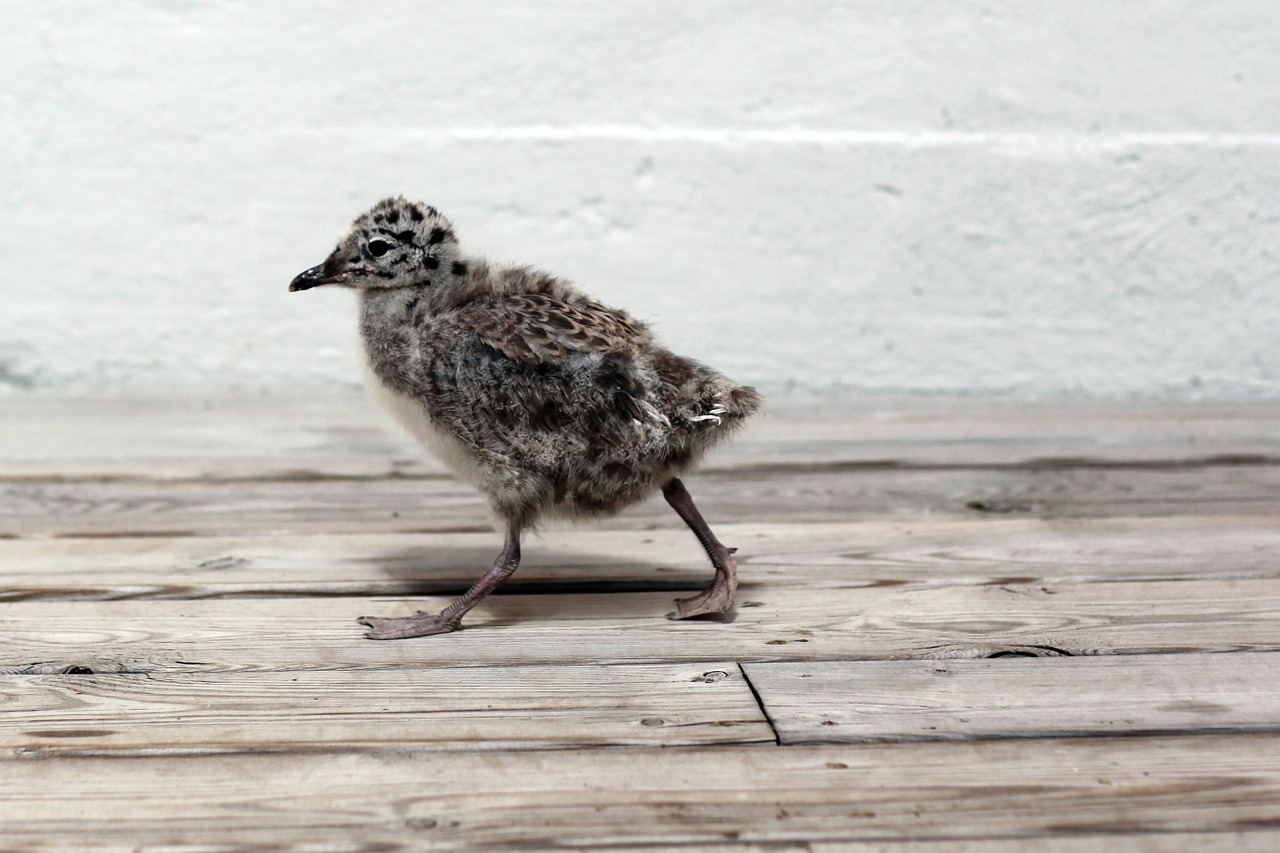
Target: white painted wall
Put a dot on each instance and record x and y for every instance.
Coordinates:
(1027, 196)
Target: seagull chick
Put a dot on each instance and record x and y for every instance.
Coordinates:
(548, 402)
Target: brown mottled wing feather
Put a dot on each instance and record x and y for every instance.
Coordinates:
(534, 328)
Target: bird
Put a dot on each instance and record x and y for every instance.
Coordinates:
(550, 403)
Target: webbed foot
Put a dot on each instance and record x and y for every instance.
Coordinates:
(717, 598)
(422, 625)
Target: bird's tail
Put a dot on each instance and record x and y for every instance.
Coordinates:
(741, 401)
(722, 404)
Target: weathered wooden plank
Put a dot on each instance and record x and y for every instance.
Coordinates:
(177, 435)
(855, 701)
(772, 623)
(444, 707)
(853, 554)
(105, 509)
(1253, 841)
(964, 790)
(344, 434)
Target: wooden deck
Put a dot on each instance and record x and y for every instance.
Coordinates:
(962, 626)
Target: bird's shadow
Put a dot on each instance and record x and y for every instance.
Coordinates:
(551, 587)
(451, 570)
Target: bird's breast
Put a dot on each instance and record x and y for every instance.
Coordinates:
(411, 414)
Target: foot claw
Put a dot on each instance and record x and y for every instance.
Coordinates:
(410, 626)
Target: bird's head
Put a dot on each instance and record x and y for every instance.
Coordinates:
(396, 244)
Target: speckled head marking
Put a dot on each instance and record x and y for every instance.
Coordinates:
(398, 243)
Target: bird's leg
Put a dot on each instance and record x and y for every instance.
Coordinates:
(718, 597)
(450, 619)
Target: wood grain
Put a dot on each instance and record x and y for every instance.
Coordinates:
(180, 575)
(1251, 841)
(399, 505)
(771, 624)
(443, 707)
(856, 701)
(837, 555)
(446, 800)
(344, 434)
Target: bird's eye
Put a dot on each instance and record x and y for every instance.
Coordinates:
(378, 248)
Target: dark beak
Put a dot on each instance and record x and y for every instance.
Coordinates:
(316, 276)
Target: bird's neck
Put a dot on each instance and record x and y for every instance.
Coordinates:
(381, 303)
(385, 317)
